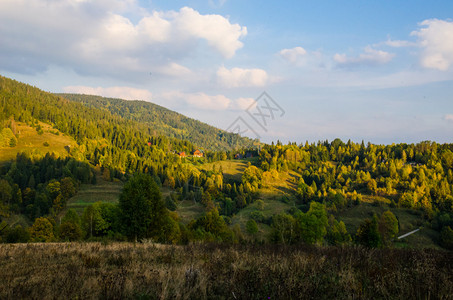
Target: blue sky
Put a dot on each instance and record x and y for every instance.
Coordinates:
(379, 71)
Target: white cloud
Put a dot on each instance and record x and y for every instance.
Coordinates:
(244, 103)
(202, 101)
(449, 117)
(399, 43)
(121, 92)
(370, 57)
(293, 55)
(215, 29)
(238, 77)
(436, 39)
(174, 69)
(109, 38)
(177, 99)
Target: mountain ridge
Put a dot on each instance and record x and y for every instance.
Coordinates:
(164, 121)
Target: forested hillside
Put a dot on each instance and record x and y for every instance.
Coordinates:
(165, 122)
(286, 194)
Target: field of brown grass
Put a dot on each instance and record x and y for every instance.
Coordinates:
(152, 271)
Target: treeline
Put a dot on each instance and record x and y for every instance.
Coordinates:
(414, 176)
(143, 214)
(140, 214)
(41, 187)
(337, 174)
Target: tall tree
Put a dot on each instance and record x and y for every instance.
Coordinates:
(143, 210)
(388, 226)
(368, 233)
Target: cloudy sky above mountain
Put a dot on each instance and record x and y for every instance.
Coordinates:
(379, 71)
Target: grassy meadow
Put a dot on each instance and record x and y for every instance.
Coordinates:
(205, 271)
(30, 142)
(104, 191)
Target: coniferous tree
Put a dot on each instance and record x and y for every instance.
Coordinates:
(142, 210)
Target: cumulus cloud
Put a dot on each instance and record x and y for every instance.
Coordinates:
(174, 69)
(448, 117)
(436, 39)
(293, 55)
(238, 77)
(215, 29)
(109, 38)
(369, 57)
(203, 101)
(197, 100)
(244, 103)
(121, 92)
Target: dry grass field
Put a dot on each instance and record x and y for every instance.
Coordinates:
(206, 271)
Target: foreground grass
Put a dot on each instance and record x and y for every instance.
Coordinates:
(147, 271)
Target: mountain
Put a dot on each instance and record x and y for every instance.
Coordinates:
(164, 122)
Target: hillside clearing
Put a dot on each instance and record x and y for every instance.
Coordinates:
(30, 142)
(103, 191)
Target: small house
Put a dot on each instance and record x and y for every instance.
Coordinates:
(198, 153)
(182, 154)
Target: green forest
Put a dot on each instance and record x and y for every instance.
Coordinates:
(323, 193)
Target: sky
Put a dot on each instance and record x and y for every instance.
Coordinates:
(378, 71)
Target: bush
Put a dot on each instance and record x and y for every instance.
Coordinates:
(17, 235)
(446, 237)
(251, 227)
(170, 203)
(13, 142)
(257, 216)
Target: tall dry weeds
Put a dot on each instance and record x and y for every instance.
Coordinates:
(208, 271)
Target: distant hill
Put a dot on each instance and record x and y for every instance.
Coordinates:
(165, 122)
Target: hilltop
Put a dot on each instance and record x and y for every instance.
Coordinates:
(165, 122)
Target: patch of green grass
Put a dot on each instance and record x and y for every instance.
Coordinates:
(284, 185)
(271, 207)
(189, 210)
(103, 191)
(232, 169)
(29, 141)
(424, 238)
(408, 220)
(14, 220)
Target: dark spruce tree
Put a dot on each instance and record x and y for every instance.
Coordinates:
(143, 210)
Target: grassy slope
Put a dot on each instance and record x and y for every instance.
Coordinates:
(408, 221)
(189, 210)
(30, 141)
(232, 169)
(104, 191)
